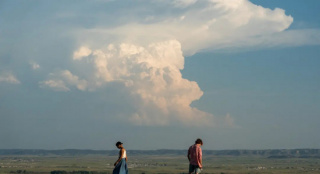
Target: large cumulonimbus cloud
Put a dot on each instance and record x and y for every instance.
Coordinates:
(145, 53)
(151, 74)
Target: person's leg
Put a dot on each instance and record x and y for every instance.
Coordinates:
(123, 168)
(197, 170)
(191, 168)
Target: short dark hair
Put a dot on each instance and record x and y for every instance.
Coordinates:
(199, 141)
(118, 143)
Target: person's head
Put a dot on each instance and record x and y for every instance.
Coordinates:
(119, 145)
(199, 141)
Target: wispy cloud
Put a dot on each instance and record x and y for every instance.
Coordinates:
(34, 65)
(8, 77)
(57, 85)
(63, 80)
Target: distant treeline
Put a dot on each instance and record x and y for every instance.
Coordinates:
(274, 153)
(77, 172)
(62, 172)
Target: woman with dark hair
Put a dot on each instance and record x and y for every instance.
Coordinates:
(121, 164)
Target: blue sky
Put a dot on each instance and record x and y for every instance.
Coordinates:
(159, 74)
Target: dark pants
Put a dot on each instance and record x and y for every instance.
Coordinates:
(194, 168)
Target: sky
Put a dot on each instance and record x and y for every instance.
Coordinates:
(158, 74)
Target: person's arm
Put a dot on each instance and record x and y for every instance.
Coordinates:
(200, 158)
(126, 156)
(120, 156)
(188, 155)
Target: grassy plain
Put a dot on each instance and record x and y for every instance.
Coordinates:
(159, 164)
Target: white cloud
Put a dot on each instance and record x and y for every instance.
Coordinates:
(57, 85)
(82, 52)
(34, 65)
(7, 77)
(63, 80)
(152, 75)
(145, 53)
(207, 25)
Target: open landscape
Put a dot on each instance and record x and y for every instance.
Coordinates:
(161, 161)
(231, 85)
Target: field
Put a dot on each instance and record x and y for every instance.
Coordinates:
(156, 164)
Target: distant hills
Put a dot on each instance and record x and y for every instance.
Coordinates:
(274, 153)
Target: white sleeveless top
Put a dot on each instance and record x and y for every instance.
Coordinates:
(124, 155)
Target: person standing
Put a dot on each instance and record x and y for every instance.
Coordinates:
(195, 157)
(120, 166)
